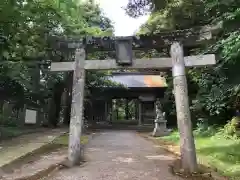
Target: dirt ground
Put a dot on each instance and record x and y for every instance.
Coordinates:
(121, 155)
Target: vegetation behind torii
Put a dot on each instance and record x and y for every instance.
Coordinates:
(214, 91)
(27, 27)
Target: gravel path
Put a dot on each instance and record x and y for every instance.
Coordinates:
(121, 155)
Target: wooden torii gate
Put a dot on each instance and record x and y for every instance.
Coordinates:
(123, 46)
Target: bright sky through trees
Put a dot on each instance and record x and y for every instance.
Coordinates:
(123, 24)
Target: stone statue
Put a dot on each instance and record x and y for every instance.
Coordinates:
(160, 128)
(159, 114)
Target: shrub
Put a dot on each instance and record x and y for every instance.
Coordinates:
(231, 128)
(203, 129)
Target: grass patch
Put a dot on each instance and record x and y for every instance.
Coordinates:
(63, 140)
(173, 137)
(215, 151)
(9, 132)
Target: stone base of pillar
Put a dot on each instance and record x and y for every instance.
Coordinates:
(160, 130)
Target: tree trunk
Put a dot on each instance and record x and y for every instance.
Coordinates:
(67, 111)
(126, 109)
(55, 105)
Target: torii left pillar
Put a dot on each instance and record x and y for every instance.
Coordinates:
(76, 122)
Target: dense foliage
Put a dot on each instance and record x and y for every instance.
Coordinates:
(215, 97)
(26, 31)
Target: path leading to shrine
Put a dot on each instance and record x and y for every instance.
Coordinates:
(121, 155)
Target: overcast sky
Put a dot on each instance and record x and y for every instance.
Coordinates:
(123, 24)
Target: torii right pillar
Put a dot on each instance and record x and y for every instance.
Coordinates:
(187, 145)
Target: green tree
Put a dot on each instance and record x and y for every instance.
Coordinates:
(217, 93)
(26, 29)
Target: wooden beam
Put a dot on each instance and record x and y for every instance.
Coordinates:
(156, 63)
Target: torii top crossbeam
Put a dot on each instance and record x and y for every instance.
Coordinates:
(188, 37)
